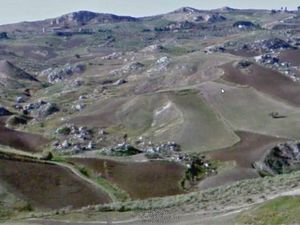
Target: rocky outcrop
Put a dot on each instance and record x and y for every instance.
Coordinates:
(4, 111)
(73, 139)
(283, 158)
(86, 17)
(134, 67)
(275, 43)
(175, 26)
(59, 74)
(244, 64)
(3, 35)
(47, 110)
(214, 18)
(187, 10)
(123, 149)
(77, 17)
(153, 48)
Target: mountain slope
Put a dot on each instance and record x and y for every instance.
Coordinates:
(12, 76)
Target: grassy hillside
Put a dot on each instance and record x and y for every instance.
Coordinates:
(283, 210)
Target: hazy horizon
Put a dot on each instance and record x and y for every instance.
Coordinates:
(30, 10)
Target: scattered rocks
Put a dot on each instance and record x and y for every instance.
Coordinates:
(77, 83)
(185, 25)
(135, 67)
(78, 107)
(264, 46)
(162, 63)
(21, 99)
(213, 18)
(46, 110)
(244, 64)
(164, 149)
(90, 146)
(65, 144)
(267, 59)
(84, 133)
(123, 149)
(34, 106)
(73, 139)
(82, 97)
(114, 55)
(120, 82)
(272, 61)
(59, 74)
(153, 48)
(275, 43)
(214, 49)
(103, 132)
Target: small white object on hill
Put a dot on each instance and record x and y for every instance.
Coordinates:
(223, 91)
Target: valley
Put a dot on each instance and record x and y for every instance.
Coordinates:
(188, 117)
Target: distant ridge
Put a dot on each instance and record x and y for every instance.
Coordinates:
(86, 17)
(227, 9)
(186, 10)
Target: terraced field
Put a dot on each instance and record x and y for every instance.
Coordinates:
(266, 81)
(246, 109)
(47, 186)
(21, 140)
(242, 155)
(249, 150)
(141, 180)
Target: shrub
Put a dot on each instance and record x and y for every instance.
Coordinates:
(64, 130)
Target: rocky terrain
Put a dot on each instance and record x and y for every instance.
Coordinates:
(189, 117)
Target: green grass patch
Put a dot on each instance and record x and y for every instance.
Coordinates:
(114, 192)
(283, 210)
